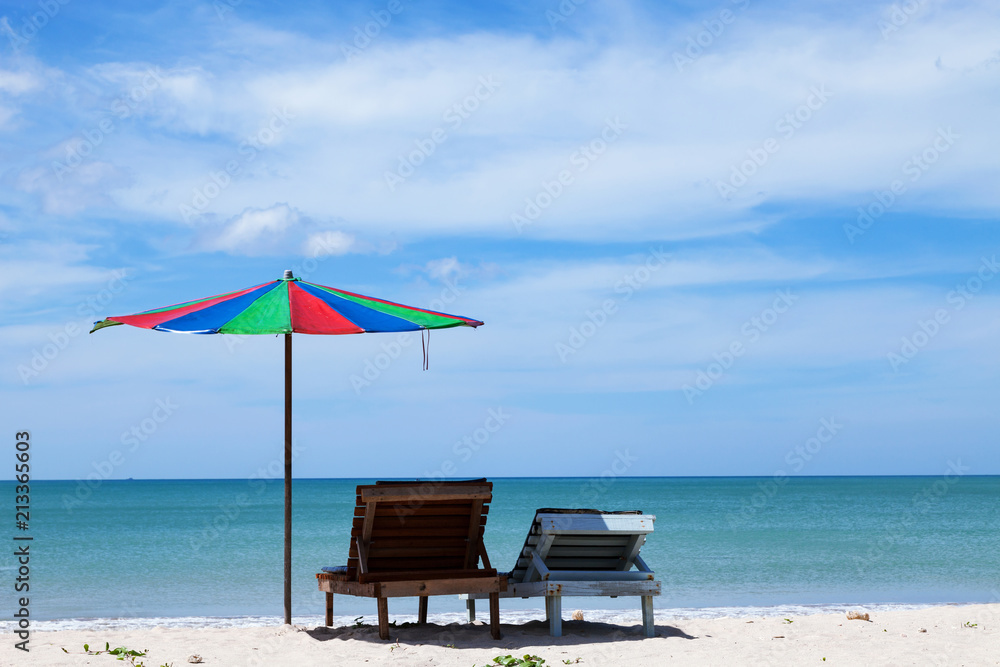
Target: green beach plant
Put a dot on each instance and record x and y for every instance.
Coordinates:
(126, 654)
(511, 661)
(121, 653)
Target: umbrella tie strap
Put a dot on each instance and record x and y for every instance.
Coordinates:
(426, 345)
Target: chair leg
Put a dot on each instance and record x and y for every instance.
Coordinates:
(470, 606)
(422, 610)
(495, 615)
(329, 609)
(383, 618)
(647, 615)
(553, 611)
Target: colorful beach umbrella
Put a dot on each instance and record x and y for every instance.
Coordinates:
(288, 306)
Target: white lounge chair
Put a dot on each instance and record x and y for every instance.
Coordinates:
(582, 553)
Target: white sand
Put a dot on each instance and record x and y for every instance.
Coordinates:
(891, 638)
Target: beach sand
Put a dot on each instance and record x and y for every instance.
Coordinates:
(890, 638)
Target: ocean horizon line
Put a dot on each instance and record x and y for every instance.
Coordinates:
(507, 477)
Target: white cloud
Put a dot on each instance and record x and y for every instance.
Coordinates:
(15, 84)
(445, 267)
(276, 230)
(326, 243)
(67, 188)
(41, 274)
(451, 270)
(18, 82)
(252, 232)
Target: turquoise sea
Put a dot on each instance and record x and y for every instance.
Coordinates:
(210, 551)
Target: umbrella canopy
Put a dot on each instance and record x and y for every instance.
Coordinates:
(288, 306)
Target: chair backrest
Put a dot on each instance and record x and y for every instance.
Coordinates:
(582, 541)
(425, 530)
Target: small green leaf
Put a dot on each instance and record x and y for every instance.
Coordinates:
(86, 647)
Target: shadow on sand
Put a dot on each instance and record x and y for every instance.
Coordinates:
(477, 635)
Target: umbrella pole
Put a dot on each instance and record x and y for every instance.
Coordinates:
(288, 479)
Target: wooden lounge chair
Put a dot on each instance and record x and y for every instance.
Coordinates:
(582, 553)
(416, 539)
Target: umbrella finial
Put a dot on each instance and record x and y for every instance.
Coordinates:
(288, 275)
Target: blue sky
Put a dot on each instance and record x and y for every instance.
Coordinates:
(739, 238)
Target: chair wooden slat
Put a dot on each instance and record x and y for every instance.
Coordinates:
(430, 509)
